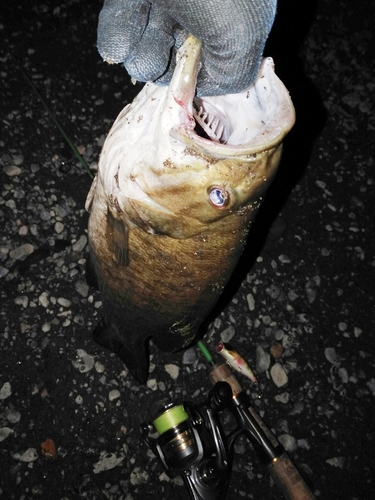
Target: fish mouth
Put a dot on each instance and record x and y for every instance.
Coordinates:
(231, 124)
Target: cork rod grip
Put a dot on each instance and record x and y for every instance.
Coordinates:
(288, 479)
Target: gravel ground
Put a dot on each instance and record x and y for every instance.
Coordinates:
(305, 283)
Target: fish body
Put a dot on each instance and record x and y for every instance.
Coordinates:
(170, 210)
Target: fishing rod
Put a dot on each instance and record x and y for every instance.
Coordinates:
(191, 440)
(51, 114)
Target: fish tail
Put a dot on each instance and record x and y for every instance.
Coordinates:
(134, 354)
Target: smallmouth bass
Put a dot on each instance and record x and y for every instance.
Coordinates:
(180, 180)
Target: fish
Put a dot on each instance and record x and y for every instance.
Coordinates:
(180, 179)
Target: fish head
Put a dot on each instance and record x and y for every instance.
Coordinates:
(175, 163)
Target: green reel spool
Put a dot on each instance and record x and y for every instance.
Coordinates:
(172, 417)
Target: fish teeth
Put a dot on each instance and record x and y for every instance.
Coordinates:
(210, 124)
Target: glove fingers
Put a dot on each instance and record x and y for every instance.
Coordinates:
(120, 27)
(233, 35)
(152, 54)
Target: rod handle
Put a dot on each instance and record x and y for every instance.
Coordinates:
(288, 480)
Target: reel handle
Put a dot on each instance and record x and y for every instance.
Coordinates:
(281, 468)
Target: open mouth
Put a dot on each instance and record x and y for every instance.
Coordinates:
(210, 123)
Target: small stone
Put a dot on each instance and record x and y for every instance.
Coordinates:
(43, 299)
(5, 391)
(59, 227)
(302, 443)
(250, 301)
(172, 370)
(343, 374)
(21, 252)
(114, 394)
(5, 432)
(263, 360)
(282, 398)
(289, 442)
(357, 331)
(64, 302)
(27, 456)
(227, 334)
(99, 367)
(108, 461)
(12, 170)
(336, 462)
(84, 361)
(152, 384)
(189, 357)
(17, 159)
(278, 375)
(284, 259)
(138, 476)
(22, 300)
(80, 244)
(276, 350)
(330, 355)
(13, 416)
(82, 288)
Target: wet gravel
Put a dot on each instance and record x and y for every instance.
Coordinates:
(299, 308)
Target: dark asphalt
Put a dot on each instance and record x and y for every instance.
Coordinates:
(306, 280)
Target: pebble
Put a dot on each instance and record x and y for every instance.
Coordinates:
(250, 301)
(284, 259)
(263, 360)
(80, 244)
(59, 227)
(278, 375)
(189, 357)
(99, 367)
(21, 252)
(289, 442)
(114, 394)
(5, 432)
(13, 416)
(282, 398)
(43, 299)
(84, 362)
(5, 391)
(12, 170)
(64, 302)
(336, 462)
(138, 476)
(276, 350)
(152, 384)
(107, 461)
(82, 288)
(172, 370)
(27, 456)
(330, 355)
(227, 334)
(22, 300)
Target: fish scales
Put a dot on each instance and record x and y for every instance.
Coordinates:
(170, 210)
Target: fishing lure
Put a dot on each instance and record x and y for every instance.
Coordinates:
(236, 361)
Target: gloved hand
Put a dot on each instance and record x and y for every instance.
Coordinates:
(144, 36)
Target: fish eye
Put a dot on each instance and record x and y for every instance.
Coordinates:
(218, 196)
